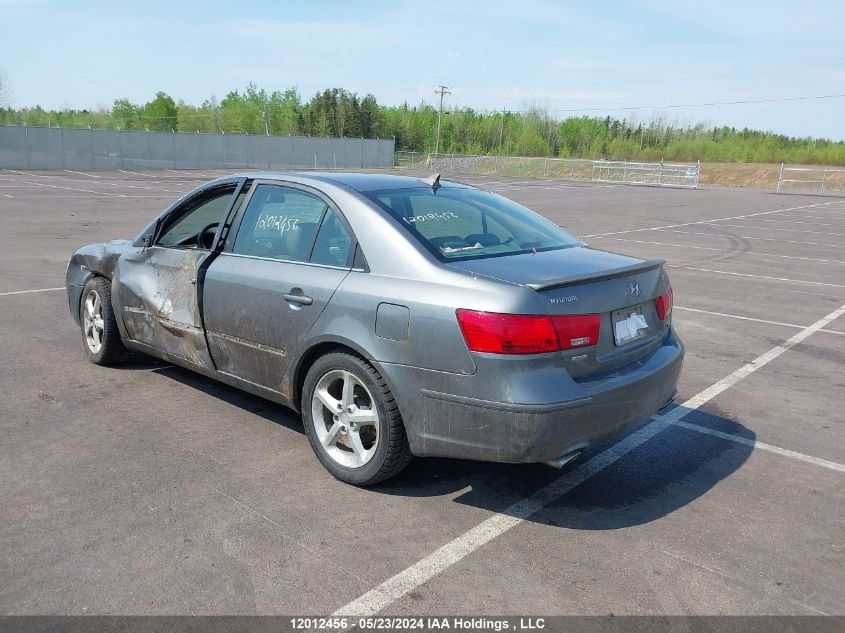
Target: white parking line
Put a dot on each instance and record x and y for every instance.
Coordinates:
(90, 195)
(26, 292)
(735, 217)
(795, 222)
(82, 173)
(777, 228)
(726, 272)
(750, 237)
(421, 572)
(727, 252)
(99, 193)
(825, 463)
(755, 320)
(188, 173)
(106, 182)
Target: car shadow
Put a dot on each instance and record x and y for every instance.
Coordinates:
(668, 471)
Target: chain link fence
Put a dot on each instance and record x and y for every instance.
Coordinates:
(80, 149)
(657, 174)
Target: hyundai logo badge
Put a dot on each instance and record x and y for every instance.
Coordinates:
(634, 289)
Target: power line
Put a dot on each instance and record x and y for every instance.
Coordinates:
(697, 105)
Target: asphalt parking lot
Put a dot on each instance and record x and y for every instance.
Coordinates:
(147, 489)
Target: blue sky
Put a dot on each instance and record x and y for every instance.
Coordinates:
(492, 55)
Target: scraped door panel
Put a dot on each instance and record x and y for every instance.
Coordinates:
(253, 329)
(157, 295)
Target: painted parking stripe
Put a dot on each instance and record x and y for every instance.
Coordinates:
(424, 570)
(753, 319)
(107, 182)
(26, 292)
(82, 173)
(786, 279)
(779, 228)
(735, 217)
(751, 237)
(727, 252)
(99, 193)
(737, 439)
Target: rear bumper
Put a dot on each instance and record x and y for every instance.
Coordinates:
(443, 423)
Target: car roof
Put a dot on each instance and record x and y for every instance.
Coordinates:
(360, 182)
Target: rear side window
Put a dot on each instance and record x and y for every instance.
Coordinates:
(458, 223)
(333, 244)
(279, 223)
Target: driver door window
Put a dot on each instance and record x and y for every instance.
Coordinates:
(195, 216)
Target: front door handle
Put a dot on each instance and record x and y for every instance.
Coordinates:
(300, 299)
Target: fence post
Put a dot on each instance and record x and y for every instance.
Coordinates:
(660, 174)
(824, 175)
(91, 145)
(173, 145)
(362, 152)
(697, 172)
(120, 148)
(453, 162)
(780, 177)
(519, 167)
(61, 148)
(26, 138)
(545, 160)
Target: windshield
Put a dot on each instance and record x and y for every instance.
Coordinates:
(457, 223)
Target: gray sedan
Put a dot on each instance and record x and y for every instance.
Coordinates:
(400, 316)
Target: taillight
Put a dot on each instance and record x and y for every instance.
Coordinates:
(577, 330)
(663, 303)
(496, 333)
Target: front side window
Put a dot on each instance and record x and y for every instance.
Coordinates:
(456, 223)
(279, 223)
(204, 212)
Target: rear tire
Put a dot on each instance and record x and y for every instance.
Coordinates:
(352, 420)
(100, 336)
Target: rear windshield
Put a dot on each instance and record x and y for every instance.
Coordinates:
(457, 223)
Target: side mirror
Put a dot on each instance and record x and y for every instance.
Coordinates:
(147, 241)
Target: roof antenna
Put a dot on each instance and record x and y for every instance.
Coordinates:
(432, 181)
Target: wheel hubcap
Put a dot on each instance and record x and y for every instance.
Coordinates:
(345, 418)
(92, 321)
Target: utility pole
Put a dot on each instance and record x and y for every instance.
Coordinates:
(441, 90)
(502, 131)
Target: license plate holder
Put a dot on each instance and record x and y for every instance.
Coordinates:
(629, 324)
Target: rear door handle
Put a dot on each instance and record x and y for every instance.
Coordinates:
(300, 299)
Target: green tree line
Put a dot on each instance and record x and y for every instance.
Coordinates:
(533, 132)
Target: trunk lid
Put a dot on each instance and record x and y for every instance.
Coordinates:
(583, 280)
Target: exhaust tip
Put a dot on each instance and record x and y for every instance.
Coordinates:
(562, 461)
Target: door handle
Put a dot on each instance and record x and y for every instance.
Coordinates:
(300, 299)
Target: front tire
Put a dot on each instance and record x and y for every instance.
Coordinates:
(100, 335)
(352, 420)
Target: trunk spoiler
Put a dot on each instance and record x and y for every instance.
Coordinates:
(613, 273)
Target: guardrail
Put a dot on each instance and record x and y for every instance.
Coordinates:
(810, 179)
(624, 172)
